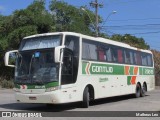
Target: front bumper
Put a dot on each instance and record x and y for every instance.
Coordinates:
(52, 97)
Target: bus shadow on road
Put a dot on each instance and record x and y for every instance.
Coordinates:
(38, 107)
(112, 99)
(62, 107)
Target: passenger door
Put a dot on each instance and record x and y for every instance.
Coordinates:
(70, 69)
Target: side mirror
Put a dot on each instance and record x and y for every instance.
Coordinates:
(57, 54)
(7, 58)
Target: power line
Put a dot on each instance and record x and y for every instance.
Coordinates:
(153, 36)
(154, 32)
(117, 3)
(146, 33)
(134, 25)
(135, 19)
(127, 2)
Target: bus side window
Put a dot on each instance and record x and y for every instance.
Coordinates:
(138, 56)
(149, 60)
(93, 51)
(101, 53)
(108, 55)
(114, 54)
(144, 59)
(120, 56)
(85, 51)
(127, 56)
(131, 57)
(135, 58)
(89, 50)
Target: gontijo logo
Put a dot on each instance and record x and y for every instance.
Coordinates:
(94, 68)
(97, 69)
(100, 69)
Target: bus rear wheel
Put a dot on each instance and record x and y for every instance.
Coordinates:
(86, 98)
(143, 90)
(138, 90)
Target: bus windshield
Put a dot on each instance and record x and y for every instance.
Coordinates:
(36, 67)
(41, 42)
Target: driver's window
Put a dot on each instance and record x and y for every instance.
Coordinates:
(67, 67)
(72, 42)
(67, 63)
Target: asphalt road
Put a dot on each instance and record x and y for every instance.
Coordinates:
(151, 102)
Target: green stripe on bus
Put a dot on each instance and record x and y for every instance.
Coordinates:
(84, 68)
(48, 85)
(52, 84)
(108, 69)
(140, 71)
(129, 80)
(131, 70)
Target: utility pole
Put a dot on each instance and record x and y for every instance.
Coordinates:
(96, 5)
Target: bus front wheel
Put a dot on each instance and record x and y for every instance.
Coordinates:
(86, 96)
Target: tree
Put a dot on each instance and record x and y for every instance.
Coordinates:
(13, 28)
(156, 55)
(131, 40)
(70, 18)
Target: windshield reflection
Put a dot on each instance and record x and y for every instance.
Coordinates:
(36, 66)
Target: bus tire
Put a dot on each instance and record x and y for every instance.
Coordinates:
(138, 90)
(86, 94)
(143, 90)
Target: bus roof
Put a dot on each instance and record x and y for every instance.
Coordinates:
(100, 39)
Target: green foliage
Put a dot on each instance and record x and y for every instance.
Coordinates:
(3, 43)
(6, 25)
(70, 18)
(131, 40)
(14, 38)
(6, 84)
(41, 17)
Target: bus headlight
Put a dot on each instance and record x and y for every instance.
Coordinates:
(16, 89)
(52, 89)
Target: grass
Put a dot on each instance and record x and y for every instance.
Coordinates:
(6, 83)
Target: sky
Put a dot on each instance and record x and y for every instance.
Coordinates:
(140, 18)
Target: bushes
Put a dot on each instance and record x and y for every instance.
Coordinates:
(6, 83)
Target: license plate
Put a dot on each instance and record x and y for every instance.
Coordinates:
(32, 98)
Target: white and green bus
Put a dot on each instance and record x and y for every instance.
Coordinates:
(64, 67)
